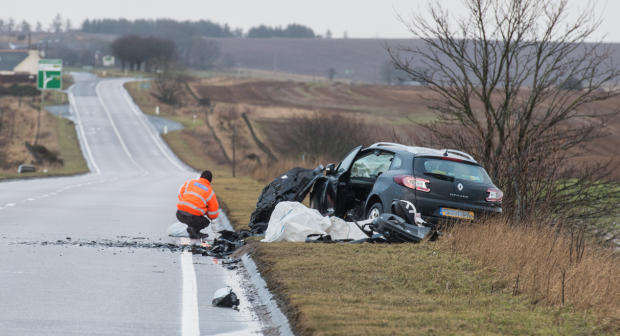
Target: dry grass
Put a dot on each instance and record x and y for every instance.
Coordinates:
(552, 266)
(406, 289)
(69, 150)
(20, 122)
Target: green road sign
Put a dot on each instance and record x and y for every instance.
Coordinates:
(50, 74)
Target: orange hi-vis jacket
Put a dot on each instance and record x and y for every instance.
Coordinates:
(197, 198)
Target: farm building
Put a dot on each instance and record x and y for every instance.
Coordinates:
(18, 65)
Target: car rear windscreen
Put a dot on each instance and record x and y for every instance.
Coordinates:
(458, 170)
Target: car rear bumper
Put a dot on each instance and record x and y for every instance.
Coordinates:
(429, 208)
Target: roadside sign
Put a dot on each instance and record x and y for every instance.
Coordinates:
(108, 61)
(145, 85)
(50, 74)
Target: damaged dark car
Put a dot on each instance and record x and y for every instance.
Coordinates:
(439, 186)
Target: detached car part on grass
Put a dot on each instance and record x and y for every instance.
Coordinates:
(387, 228)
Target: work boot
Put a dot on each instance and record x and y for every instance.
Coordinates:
(195, 235)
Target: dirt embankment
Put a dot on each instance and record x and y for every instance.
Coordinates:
(21, 123)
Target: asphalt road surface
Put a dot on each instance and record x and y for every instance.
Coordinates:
(50, 285)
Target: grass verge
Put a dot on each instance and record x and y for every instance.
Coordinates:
(70, 152)
(421, 289)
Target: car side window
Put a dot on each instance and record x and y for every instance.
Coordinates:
(371, 165)
(397, 162)
(346, 162)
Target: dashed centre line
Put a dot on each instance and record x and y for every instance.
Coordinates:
(61, 190)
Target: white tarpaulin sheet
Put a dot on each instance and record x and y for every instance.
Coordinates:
(293, 222)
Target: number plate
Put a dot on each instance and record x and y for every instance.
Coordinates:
(456, 213)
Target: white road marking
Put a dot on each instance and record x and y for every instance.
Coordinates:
(118, 134)
(190, 320)
(10, 205)
(30, 199)
(140, 116)
(84, 141)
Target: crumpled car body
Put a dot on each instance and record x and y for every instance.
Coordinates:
(292, 186)
(439, 186)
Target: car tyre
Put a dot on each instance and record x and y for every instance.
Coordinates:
(375, 211)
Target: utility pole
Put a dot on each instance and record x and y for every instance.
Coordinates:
(234, 143)
(36, 137)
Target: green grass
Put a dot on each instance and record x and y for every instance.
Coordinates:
(56, 98)
(70, 152)
(407, 289)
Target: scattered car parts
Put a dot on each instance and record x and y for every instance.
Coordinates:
(225, 297)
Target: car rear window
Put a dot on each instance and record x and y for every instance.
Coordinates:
(459, 170)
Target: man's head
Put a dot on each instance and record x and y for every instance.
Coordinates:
(207, 175)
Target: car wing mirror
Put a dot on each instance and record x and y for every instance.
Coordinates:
(329, 170)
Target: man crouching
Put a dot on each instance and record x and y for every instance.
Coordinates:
(197, 199)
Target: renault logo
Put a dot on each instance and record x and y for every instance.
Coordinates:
(460, 186)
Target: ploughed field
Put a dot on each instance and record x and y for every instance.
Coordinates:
(391, 108)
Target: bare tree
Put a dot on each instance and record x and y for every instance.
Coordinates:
(320, 134)
(170, 79)
(498, 75)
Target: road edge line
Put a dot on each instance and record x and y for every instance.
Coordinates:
(278, 318)
(190, 321)
(140, 116)
(84, 141)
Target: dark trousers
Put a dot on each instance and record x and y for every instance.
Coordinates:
(196, 222)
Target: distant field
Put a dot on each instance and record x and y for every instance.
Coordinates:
(376, 103)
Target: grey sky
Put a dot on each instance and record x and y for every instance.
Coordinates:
(360, 18)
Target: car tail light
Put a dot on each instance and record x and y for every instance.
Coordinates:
(495, 195)
(413, 182)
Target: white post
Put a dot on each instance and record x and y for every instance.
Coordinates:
(157, 110)
(165, 129)
(194, 120)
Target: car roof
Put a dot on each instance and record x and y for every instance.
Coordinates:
(424, 151)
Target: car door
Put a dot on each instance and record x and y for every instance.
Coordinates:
(324, 195)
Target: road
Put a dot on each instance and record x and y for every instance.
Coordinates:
(51, 286)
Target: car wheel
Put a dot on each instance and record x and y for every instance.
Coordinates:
(375, 211)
